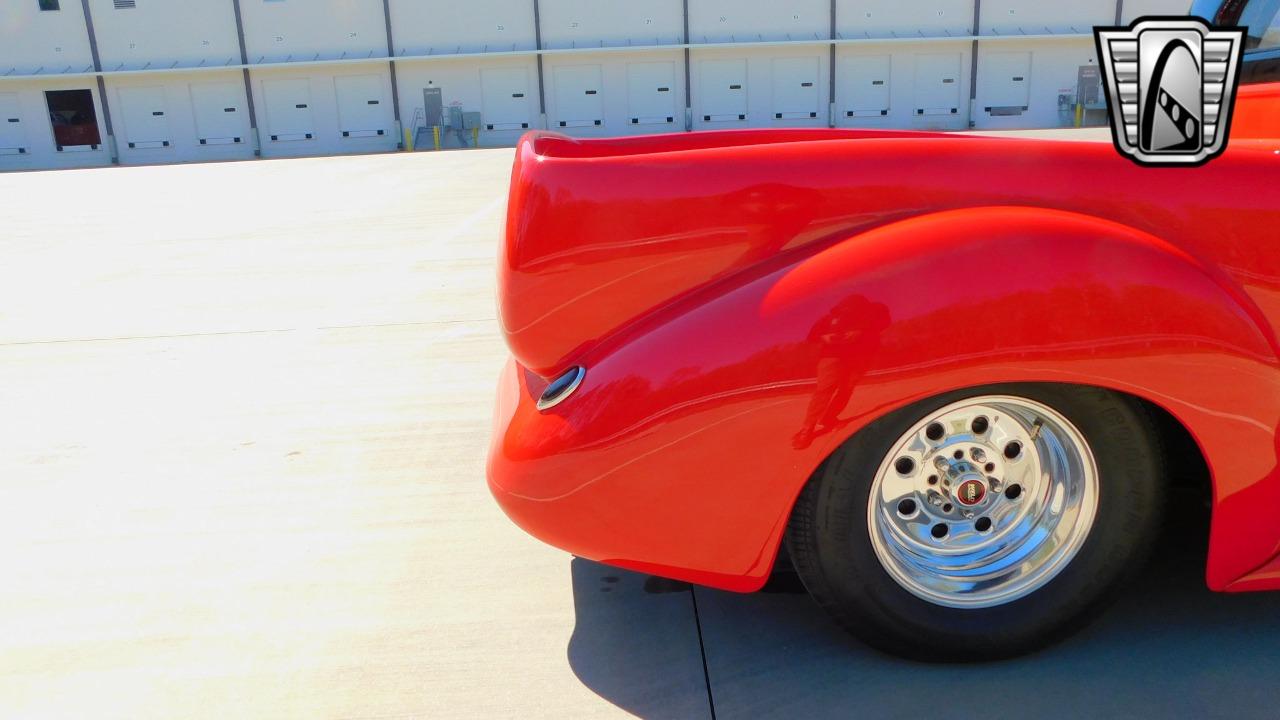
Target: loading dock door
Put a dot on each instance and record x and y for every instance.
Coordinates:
(723, 90)
(504, 97)
(866, 85)
(363, 111)
(288, 106)
(651, 93)
(579, 98)
(220, 119)
(13, 137)
(74, 120)
(937, 84)
(145, 117)
(1005, 82)
(795, 88)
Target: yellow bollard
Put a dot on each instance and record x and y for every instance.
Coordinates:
(475, 137)
(1079, 114)
(435, 136)
(408, 140)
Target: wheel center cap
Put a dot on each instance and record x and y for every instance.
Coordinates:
(971, 492)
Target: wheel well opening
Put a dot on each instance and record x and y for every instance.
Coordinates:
(1188, 506)
(1187, 473)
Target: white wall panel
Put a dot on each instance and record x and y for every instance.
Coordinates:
(219, 112)
(1134, 9)
(902, 66)
(194, 106)
(938, 84)
(796, 94)
(31, 39)
(307, 29)
(652, 94)
(630, 89)
(577, 93)
(41, 152)
(483, 85)
(922, 83)
(444, 26)
(592, 23)
(1004, 81)
(278, 92)
(743, 20)
(13, 131)
(1009, 17)
(886, 18)
(287, 106)
(193, 31)
(142, 117)
(508, 98)
(721, 95)
(364, 106)
(749, 87)
(864, 86)
(1054, 64)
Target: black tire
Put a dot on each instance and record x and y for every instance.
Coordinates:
(830, 546)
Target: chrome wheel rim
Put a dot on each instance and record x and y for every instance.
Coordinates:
(983, 502)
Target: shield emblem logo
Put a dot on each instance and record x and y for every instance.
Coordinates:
(1170, 85)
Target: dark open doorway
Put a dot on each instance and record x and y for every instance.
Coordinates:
(75, 123)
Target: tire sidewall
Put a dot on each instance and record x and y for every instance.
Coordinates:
(854, 575)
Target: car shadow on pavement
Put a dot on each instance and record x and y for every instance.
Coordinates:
(1168, 648)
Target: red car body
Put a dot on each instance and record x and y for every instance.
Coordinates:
(744, 302)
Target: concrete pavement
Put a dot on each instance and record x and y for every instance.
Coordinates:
(243, 419)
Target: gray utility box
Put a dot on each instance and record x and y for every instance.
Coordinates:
(470, 120)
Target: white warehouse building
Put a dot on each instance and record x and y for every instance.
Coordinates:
(96, 82)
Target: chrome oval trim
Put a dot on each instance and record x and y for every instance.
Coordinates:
(557, 392)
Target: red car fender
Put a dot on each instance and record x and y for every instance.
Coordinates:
(696, 428)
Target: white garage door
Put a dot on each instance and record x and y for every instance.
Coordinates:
(13, 137)
(145, 117)
(937, 84)
(363, 111)
(1005, 83)
(651, 93)
(795, 88)
(219, 113)
(505, 98)
(723, 90)
(579, 96)
(865, 80)
(288, 106)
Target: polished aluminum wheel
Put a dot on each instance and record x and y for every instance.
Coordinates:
(983, 501)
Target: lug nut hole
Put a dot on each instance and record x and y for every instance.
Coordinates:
(907, 507)
(934, 432)
(933, 479)
(1013, 492)
(1013, 449)
(980, 425)
(990, 467)
(959, 455)
(939, 531)
(904, 465)
(948, 508)
(983, 524)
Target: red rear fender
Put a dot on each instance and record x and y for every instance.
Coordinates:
(694, 431)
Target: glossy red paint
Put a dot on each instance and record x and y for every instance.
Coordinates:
(746, 301)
